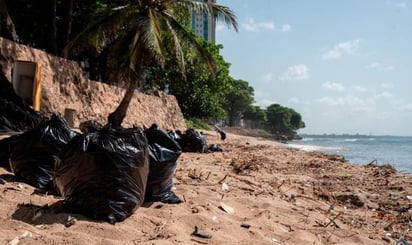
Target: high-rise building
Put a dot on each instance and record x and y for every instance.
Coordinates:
(204, 25)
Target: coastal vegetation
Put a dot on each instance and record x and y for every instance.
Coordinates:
(147, 45)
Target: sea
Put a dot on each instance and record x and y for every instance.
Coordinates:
(362, 149)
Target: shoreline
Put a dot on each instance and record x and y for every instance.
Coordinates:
(363, 150)
(256, 190)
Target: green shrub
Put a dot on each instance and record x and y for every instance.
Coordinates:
(196, 124)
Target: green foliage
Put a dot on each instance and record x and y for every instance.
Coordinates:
(196, 124)
(141, 33)
(264, 133)
(121, 42)
(283, 120)
(255, 117)
(37, 21)
(199, 94)
(238, 98)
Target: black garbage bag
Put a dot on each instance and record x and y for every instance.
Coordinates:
(33, 154)
(164, 152)
(215, 148)
(103, 174)
(14, 118)
(192, 141)
(5, 151)
(15, 113)
(90, 126)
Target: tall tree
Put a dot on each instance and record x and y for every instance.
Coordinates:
(7, 29)
(135, 35)
(52, 43)
(200, 95)
(237, 100)
(67, 22)
(283, 120)
(255, 117)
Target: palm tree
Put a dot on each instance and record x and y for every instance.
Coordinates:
(135, 34)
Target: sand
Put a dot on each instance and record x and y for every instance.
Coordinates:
(254, 192)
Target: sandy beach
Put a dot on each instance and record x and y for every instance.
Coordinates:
(254, 192)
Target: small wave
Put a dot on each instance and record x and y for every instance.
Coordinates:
(351, 140)
(307, 139)
(314, 147)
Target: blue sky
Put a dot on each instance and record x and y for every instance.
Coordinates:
(345, 66)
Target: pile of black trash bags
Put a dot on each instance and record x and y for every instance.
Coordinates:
(105, 174)
(15, 112)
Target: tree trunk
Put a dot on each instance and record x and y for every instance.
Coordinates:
(7, 29)
(52, 47)
(116, 118)
(67, 23)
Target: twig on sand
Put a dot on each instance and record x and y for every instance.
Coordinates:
(202, 242)
(208, 175)
(221, 181)
(333, 221)
(283, 181)
(288, 226)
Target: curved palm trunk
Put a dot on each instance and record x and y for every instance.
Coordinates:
(116, 118)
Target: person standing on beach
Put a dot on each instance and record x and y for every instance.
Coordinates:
(221, 132)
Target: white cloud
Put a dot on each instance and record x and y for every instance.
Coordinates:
(267, 77)
(286, 28)
(374, 65)
(379, 66)
(407, 107)
(294, 100)
(265, 103)
(296, 72)
(341, 49)
(333, 86)
(401, 5)
(252, 26)
(350, 102)
(356, 104)
(386, 85)
(360, 89)
(397, 4)
(329, 101)
(383, 95)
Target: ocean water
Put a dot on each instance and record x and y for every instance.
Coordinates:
(362, 150)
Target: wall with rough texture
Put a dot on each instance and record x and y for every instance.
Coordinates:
(65, 87)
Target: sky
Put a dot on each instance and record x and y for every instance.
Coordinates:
(345, 66)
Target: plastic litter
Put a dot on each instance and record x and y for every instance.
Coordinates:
(15, 113)
(215, 148)
(228, 209)
(192, 141)
(244, 225)
(225, 187)
(5, 152)
(198, 234)
(164, 152)
(103, 174)
(403, 241)
(70, 221)
(33, 154)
